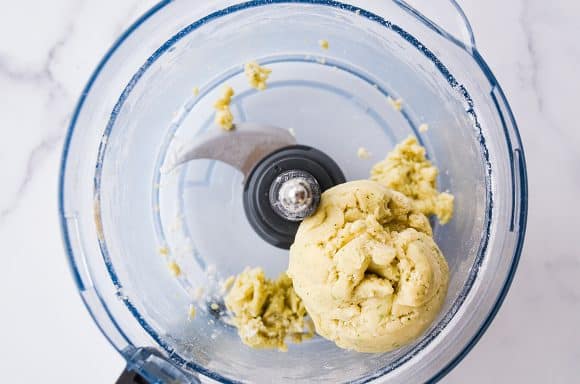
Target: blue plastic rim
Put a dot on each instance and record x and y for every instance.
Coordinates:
(522, 218)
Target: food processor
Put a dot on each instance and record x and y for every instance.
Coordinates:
(148, 180)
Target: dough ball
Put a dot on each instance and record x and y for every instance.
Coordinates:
(367, 268)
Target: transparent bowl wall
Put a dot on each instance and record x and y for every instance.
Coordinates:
(118, 209)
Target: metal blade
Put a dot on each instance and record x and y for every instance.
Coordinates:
(242, 148)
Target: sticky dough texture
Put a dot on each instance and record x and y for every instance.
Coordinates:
(367, 268)
(266, 311)
(407, 170)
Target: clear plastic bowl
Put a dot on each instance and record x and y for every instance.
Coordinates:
(118, 210)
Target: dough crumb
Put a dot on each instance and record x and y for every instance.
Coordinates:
(397, 104)
(224, 117)
(164, 251)
(214, 306)
(423, 128)
(407, 170)
(363, 153)
(324, 44)
(227, 284)
(195, 91)
(174, 268)
(191, 312)
(257, 75)
(265, 311)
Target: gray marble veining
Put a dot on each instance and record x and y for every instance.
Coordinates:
(47, 52)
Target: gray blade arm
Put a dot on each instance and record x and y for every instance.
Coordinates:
(242, 148)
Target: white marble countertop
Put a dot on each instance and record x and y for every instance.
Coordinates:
(47, 52)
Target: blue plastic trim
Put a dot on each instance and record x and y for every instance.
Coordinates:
(522, 218)
(346, 7)
(66, 147)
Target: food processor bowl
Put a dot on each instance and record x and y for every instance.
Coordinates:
(125, 220)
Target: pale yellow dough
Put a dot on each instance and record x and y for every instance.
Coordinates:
(265, 311)
(397, 104)
(407, 170)
(174, 268)
(224, 117)
(257, 75)
(363, 153)
(367, 268)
